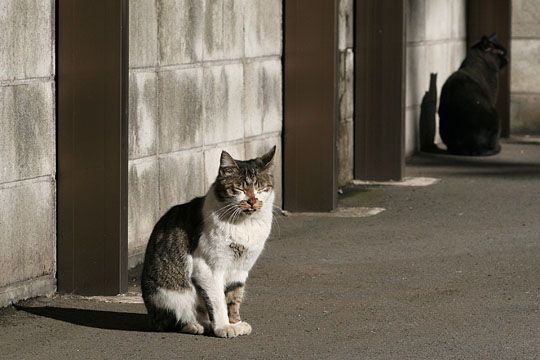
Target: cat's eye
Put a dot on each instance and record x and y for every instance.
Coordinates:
(238, 190)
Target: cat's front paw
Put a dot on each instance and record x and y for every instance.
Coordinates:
(233, 330)
(243, 327)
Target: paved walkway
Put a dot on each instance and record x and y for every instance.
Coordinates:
(447, 271)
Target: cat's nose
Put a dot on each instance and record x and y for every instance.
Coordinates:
(252, 201)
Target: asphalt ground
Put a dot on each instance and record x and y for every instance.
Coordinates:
(447, 271)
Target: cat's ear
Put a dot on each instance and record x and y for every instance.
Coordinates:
(485, 43)
(227, 164)
(268, 159)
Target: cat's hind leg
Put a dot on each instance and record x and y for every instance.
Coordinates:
(181, 304)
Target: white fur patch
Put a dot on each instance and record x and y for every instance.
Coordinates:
(215, 264)
(182, 303)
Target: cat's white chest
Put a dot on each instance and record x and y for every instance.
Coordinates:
(228, 246)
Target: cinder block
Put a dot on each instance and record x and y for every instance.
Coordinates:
(346, 84)
(345, 153)
(257, 147)
(262, 29)
(345, 24)
(233, 29)
(180, 109)
(143, 201)
(438, 20)
(458, 52)
(213, 30)
(273, 106)
(143, 38)
(525, 113)
(223, 30)
(526, 18)
(222, 103)
(26, 38)
(262, 97)
(142, 114)
(181, 177)
(438, 61)
(417, 75)
(212, 156)
(28, 236)
(27, 141)
(253, 104)
(416, 20)
(459, 19)
(525, 65)
(180, 31)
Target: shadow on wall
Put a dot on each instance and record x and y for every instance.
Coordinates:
(109, 320)
(428, 112)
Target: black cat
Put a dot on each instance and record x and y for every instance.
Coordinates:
(469, 123)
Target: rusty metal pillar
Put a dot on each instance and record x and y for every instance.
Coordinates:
(485, 17)
(379, 90)
(310, 105)
(92, 65)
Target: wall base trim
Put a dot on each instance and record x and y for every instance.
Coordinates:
(41, 286)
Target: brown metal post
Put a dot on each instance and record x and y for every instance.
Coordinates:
(310, 105)
(485, 17)
(379, 90)
(92, 40)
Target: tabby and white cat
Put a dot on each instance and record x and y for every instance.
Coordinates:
(199, 254)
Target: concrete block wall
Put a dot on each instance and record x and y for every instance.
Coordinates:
(345, 133)
(27, 150)
(436, 43)
(205, 76)
(525, 66)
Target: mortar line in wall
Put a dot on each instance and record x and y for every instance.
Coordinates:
(157, 135)
(525, 38)
(31, 180)
(203, 129)
(27, 81)
(203, 148)
(53, 37)
(157, 142)
(142, 159)
(208, 63)
(246, 139)
(522, 93)
(243, 100)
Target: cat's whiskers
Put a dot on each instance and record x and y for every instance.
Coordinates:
(237, 214)
(276, 211)
(221, 212)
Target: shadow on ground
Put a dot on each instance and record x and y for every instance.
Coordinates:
(109, 320)
(518, 165)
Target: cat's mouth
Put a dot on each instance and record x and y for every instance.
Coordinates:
(249, 211)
